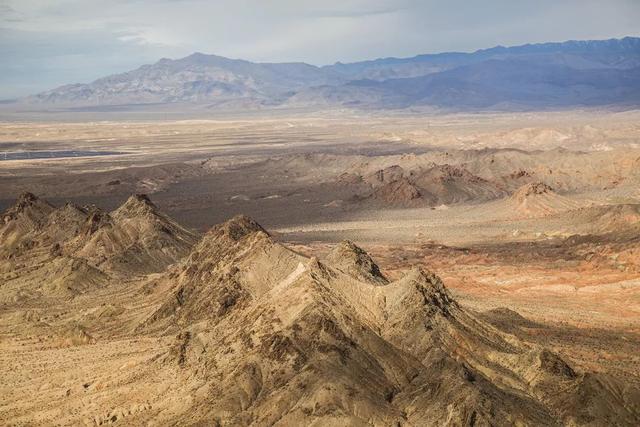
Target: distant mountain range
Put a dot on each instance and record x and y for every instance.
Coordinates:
(533, 76)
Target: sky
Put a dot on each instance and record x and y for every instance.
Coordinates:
(47, 43)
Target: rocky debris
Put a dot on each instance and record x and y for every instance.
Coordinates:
(24, 200)
(519, 174)
(537, 188)
(354, 261)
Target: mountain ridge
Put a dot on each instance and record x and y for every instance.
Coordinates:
(572, 73)
(251, 332)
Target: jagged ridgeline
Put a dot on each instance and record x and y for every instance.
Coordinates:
(257, 334)
(539, 76)
(72, 249)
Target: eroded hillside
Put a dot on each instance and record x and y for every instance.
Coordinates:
(135, 319)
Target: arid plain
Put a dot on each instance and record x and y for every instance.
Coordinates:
(133, 309)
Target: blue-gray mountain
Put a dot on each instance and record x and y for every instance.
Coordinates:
(535, 76)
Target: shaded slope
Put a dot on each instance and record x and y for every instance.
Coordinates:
(354, 261)
(278, 338)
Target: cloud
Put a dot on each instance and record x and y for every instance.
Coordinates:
(355, 9)
(45, 43)
(9, 14)
(40, 60)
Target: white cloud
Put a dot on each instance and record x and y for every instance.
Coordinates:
(101, 37)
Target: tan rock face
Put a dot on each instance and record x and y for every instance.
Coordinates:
(242, 330)
(70, 245)
(298, 341)
(134, 236)
(353, 260)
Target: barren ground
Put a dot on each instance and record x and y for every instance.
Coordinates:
(566, 258)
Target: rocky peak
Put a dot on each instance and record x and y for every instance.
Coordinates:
(238, 227)
(96, 219)
(431, 287)
(72, 207)
(555, 365)
(26, 199)
(532, 189)
(354, 261)
(69, 218)
(400, 191)
(136, 205)
(35, 208)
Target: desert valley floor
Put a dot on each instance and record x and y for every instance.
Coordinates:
(338, 268)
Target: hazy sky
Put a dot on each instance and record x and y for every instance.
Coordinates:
(46, 43)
